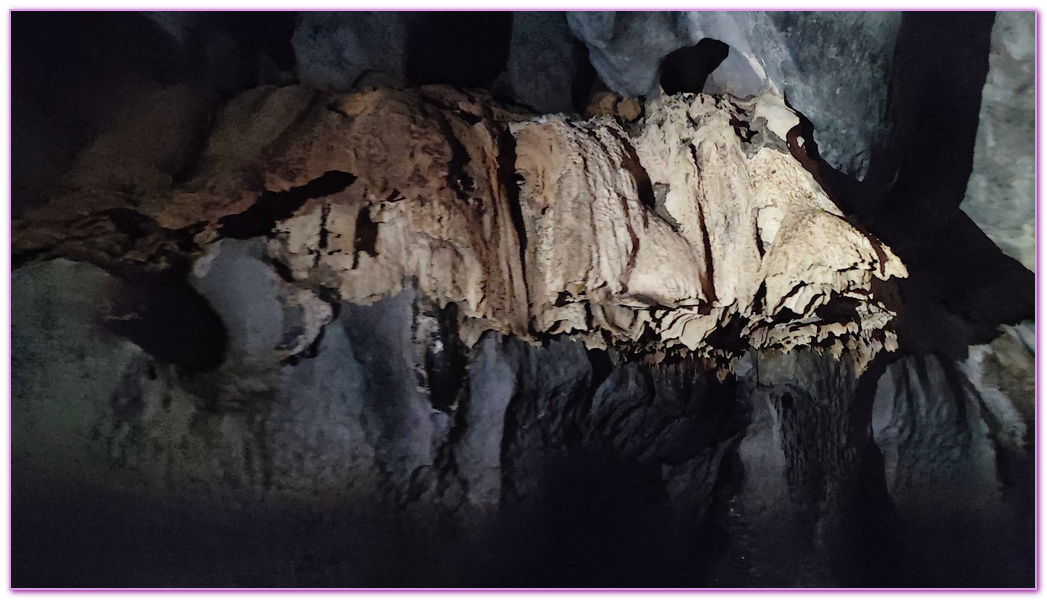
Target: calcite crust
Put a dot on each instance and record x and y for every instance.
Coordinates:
(690, 231)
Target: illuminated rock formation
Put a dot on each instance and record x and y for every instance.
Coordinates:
(700, 232)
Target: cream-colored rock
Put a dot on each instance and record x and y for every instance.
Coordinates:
(695, 231)
(742, 233)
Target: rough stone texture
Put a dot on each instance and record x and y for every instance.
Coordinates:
(947, 481)
(542, 61)
(328, 430)
(832, 66)
(1008, 364)
(957, 441)
(350, 424)
(413, 338)
(703, 221)
(338, 50)
(476, 323)
(796, 490)
(429, 205)
(1001, 191)
(556, 442)
(644, 37)
(346, 423)
(267, 318)
(593, 242)
(349, 427)
(934, 432)
(64, 370)
(478, 454)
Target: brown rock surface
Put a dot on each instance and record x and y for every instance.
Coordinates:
(695, 231)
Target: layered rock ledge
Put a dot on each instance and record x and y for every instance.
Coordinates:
(693, 230)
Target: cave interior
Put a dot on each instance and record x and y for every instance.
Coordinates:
(523, 299)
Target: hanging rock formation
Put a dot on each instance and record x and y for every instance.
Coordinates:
(699, 224)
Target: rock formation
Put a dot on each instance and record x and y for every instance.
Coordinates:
(336, 333)
(783, 51)
(1004, 177)
(337, 50)
(701, 222)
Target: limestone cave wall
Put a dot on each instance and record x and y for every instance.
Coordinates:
(358, 305)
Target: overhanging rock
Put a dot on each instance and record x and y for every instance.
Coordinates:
(693, 231)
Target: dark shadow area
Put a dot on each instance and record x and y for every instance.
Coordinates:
(585, 78)
(446, 368)
(84, 536)
(66, 71)
(167, 318)
(686, 69)
(870, 551)
(74, 74)
(961, 286)
(261, 32)
(465, 49)
(598, 521)
(271, 207)
(511, 180)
